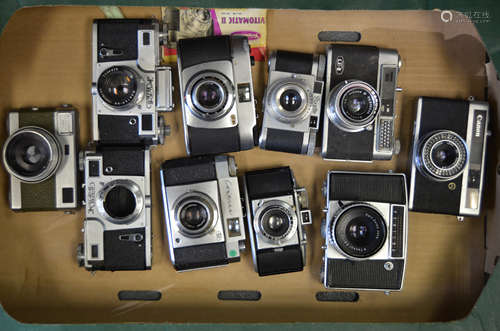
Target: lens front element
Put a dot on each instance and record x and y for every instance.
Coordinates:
(209, 95)
(194, 216)
(444, 154)
(290, 100)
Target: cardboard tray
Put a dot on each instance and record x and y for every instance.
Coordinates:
(46, 56)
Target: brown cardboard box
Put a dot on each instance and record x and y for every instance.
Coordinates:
(45, 54)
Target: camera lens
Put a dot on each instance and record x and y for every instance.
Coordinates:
(31, 154)
(194, 216)
(209, 95)
(117, 86)
(119, 202)
(357, 104)
(443, 155)
(290, 100)
(360, 231)
(353, 105)
(275, 222)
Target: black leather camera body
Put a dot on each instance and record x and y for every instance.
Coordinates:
(448, 158)
(365, 230)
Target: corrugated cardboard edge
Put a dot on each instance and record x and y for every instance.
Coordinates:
(484, 316)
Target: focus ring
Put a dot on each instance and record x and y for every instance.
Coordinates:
(348, 221)
(425, 158)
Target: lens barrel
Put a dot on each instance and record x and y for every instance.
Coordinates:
(209, 95)
(353, 105)
(442, 155)
(288, 100)
(196, 214)
(32, 154)
(358, 231)
(275, 221)
(118, 86)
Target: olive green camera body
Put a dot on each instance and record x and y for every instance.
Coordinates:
(40, 155)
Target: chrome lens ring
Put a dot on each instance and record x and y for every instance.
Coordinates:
(338, 101)
(442, 155)
(219, 83)
(205, 204)
(357, 218)
(132, 191)
(120, 87)
(12, 155)
(265, 212)
(275, 93)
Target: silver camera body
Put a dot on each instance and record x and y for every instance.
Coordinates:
(117, 199)
(216, 87)
(292, 102)
(358, 121)
(40, 155)
(277, 213)
(365, 231)
(203, 214)
(129, 86)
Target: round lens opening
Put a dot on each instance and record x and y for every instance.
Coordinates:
(290, 100)
(444, 154)
(275, 222)
(117, 86)
(28, 154)
(209, 95)
(194, 216)
(360, 232)
(357, 104)
(119, 202)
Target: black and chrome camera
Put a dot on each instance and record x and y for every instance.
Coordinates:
(292, 102)
(449, 154)
(40, 155)
(117, 225)
(277, 211)
(365, 231)
(358, 121)
(203, 214)
(217, 95)
(129, 87)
